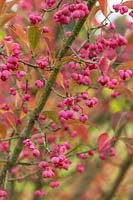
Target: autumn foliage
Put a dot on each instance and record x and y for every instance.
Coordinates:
(66, 99)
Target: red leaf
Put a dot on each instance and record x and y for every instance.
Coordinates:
(105, 64)
(104, 142)
(101, 140)
(82, 131)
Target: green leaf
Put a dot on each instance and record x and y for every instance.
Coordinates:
(51, 115)
(1, 34)
(34, 34)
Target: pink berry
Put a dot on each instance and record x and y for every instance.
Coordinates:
(54, 184)
(3, 193)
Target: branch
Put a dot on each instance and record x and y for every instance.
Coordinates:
(123, 170)
(47, 90)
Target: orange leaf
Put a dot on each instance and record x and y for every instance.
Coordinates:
(9, 5)
(2, 4)
(5, 18)
(129, 38)
(8, 47)
(2, 131)
(9, 119)
(76, 121)
(103, 6)
(126, 65)
(129, 4)
(18, 32)
(90, 17)
(65, 60)
(73, 87)
(82, 131)
(60, 79)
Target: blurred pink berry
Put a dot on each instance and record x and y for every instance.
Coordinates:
(3, 193)
(43, 164)
(39, 83)
(26, 97)
(131, 13)
(83, 118)
(54, 184)
(124, 74)
(80, 168)
(39, 193)
(4, 75)
(35, 18)
(45, 29)
(36, 153)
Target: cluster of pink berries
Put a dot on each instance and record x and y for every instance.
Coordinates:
(48, 171)
(50, 3)
(90, 51)
(31, 146)
(70, 102)
(35, 18)
(73, 11)
(12, 61)
(112, 83)
(81, 75)
(125, 74)
(123, 9)
(42, 62)
(81, 79)
(58, 158)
